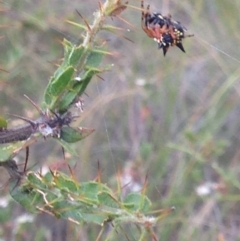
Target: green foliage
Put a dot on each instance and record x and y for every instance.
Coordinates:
(63, 88)
(92, 202)
(77, 89)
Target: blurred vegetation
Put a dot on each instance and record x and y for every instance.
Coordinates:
(174, 119)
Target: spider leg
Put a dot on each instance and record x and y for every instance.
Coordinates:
(158, 31)
(145, 20)
(143, 16)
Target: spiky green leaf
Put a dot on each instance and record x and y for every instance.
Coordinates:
(72, 135)
(57, 86)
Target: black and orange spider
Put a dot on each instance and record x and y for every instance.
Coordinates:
(163, 29)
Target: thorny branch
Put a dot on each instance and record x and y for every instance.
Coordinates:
(45, 125)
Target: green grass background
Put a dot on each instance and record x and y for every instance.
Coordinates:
(180, 127)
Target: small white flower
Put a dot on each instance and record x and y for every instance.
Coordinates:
(140, 82)
(204, 189)
(25, 218)
(4, 202)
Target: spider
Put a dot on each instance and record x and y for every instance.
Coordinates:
(163, 29)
